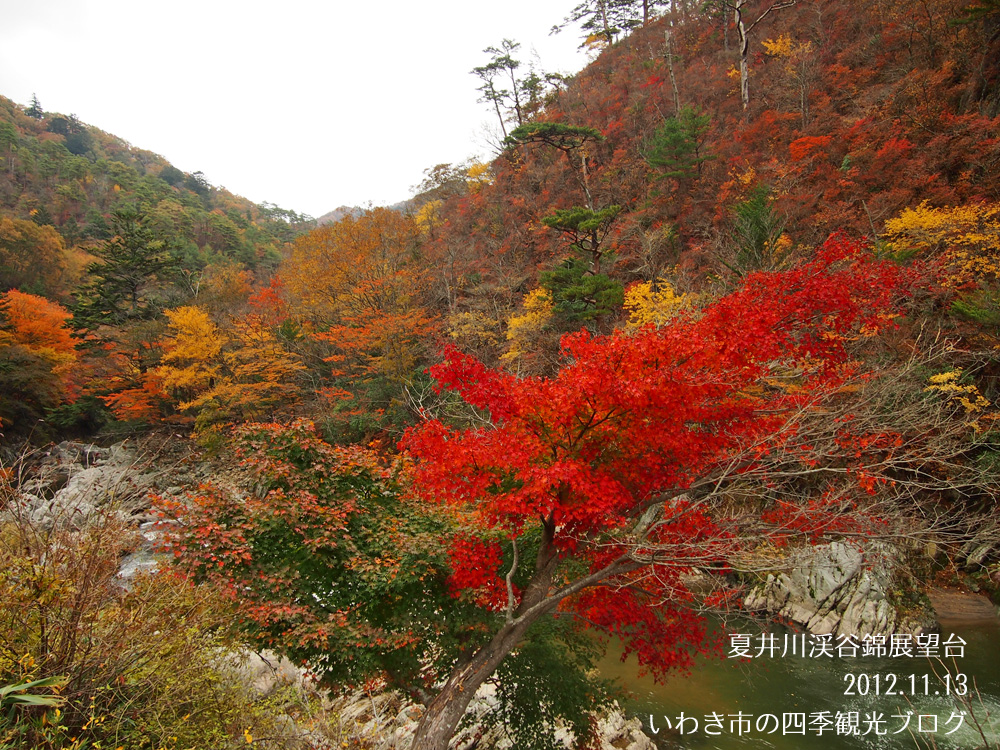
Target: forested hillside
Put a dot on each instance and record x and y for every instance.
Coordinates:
(118, 234)
(857, 115)
(729, 293)
(644, 181)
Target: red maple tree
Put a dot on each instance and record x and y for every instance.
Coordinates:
(612, 480)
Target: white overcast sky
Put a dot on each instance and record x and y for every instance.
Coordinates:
(310, 105)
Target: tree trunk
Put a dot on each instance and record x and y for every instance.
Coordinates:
(438, 724)
(744, 41)
(669, 44)
(447, 709)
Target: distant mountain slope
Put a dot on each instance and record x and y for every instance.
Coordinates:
(339, 213)
(58, 171)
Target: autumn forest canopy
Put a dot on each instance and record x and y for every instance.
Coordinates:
(731, 290)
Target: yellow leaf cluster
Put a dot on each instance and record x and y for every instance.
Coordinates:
(474, 328)
(967, 237)
(523, 330)
(786, 48)
(192, 350)
(783, 46)
(967, 395)
(240, 375)
(429, 216)
(355, 284)
(649, 303)
(477, 176)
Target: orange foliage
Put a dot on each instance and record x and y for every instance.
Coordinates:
(357, 284)
(143, 402)
(37, 323)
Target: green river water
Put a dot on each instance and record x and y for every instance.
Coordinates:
(791, 685)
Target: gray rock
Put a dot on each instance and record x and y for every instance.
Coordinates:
(838, 588)
(387, 722)
(265, 671)
(96, 478)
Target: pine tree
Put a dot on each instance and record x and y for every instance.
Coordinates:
(35, 110)
(123, 285)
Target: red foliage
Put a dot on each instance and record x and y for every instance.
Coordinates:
(632, 420)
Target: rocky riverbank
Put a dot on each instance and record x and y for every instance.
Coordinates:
(71, 484)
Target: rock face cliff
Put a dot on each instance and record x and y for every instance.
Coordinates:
(839, 588)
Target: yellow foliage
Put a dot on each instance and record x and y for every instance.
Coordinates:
(967, 238)
(475, 328)
(356, 284)
(968, 396)
(524, 330)
(745, 177)
(227, 286)
(477, 176)
(192, 350)
(429, 216)
(241, 376)
(596, 42)
(653, 304)
(783, 46)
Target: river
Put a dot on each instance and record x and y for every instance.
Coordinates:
(762, 688)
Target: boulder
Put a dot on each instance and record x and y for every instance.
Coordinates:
(73, 480)
(839, 588)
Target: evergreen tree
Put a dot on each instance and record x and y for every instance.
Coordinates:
(35, 110)
(676, 147)
(757, 229)
(500, 71)
(579, 294)
(124, 283)
(603, 21)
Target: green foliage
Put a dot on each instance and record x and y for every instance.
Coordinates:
(580, 295)
(171, 175)
(605, 20)
(75, 179)
(340, 569)
(32, 257)
(586, 229)
(340, 572)
(28, 390)
(978, 11)
(77, 137)
(9, 139)
(138, 666)
(85, 416)
(676, 148)
(12, 696)
(555, 134)
(126, 285)
(35, 109)
(496, 75)
(981, 306)
(580, 222)
(550, 678)
(196, 183)
(757, 229)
